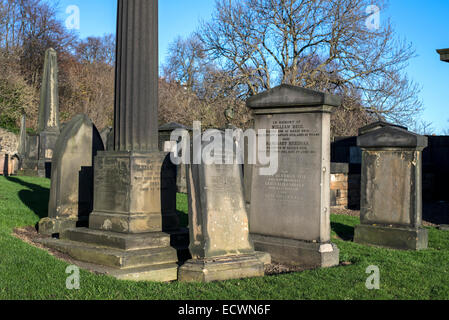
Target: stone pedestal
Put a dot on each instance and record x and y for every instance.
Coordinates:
(47, 145)
(290, 210)
(391, 189)
(128, 193)
(29, 163)
(133, 234)
(219, 233)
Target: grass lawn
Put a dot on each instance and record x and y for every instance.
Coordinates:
(30, 273)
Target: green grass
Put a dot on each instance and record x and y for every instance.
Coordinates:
(30, 273)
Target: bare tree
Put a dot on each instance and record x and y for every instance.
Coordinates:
(320, 44)
(195, 88)
(97, 50)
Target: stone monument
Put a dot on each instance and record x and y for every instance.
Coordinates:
(391, 189)
(48, 126)
(290, 210)
(48, 123)
(71, 192)
(218, 220)
(125, 228)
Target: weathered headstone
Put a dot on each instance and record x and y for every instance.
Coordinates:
(290, 210)
(391, 195)
(125, 228)
(28, 164)
(219, 232)
(48, 126)
(71, 192)
(165, 132)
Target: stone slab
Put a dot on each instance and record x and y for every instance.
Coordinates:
(221, 268)
(53, 226)
(295, 202)
(298, 253)
(392, 237)
(391, 188)
(115, 258)
(118, 240)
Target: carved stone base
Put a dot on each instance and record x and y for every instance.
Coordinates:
(139, 257)
(221, 268)
(392, 237)
(134, 193)
(49, 226)
(298, 253)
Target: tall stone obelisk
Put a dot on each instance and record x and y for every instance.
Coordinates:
(48, 126)
(126, 228)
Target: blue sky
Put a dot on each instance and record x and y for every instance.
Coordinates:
(424, 23)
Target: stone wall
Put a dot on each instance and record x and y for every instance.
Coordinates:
(9, 142)
(345, 186)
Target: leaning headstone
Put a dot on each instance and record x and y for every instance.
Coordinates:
(391, 192)
(71, 192)
(48, 126)
(290, 210)
(219, 232)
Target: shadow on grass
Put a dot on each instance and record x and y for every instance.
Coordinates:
(36, 199)
(345, 232)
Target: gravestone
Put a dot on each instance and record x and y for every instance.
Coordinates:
(31, 158)
(107, 135)
(219, 232)
(48, 126)
(48, 123)
(165, 132)
(125, 237)
(391, 191)
(290, 210)
(71, 192)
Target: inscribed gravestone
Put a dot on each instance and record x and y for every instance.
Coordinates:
(290, 210)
